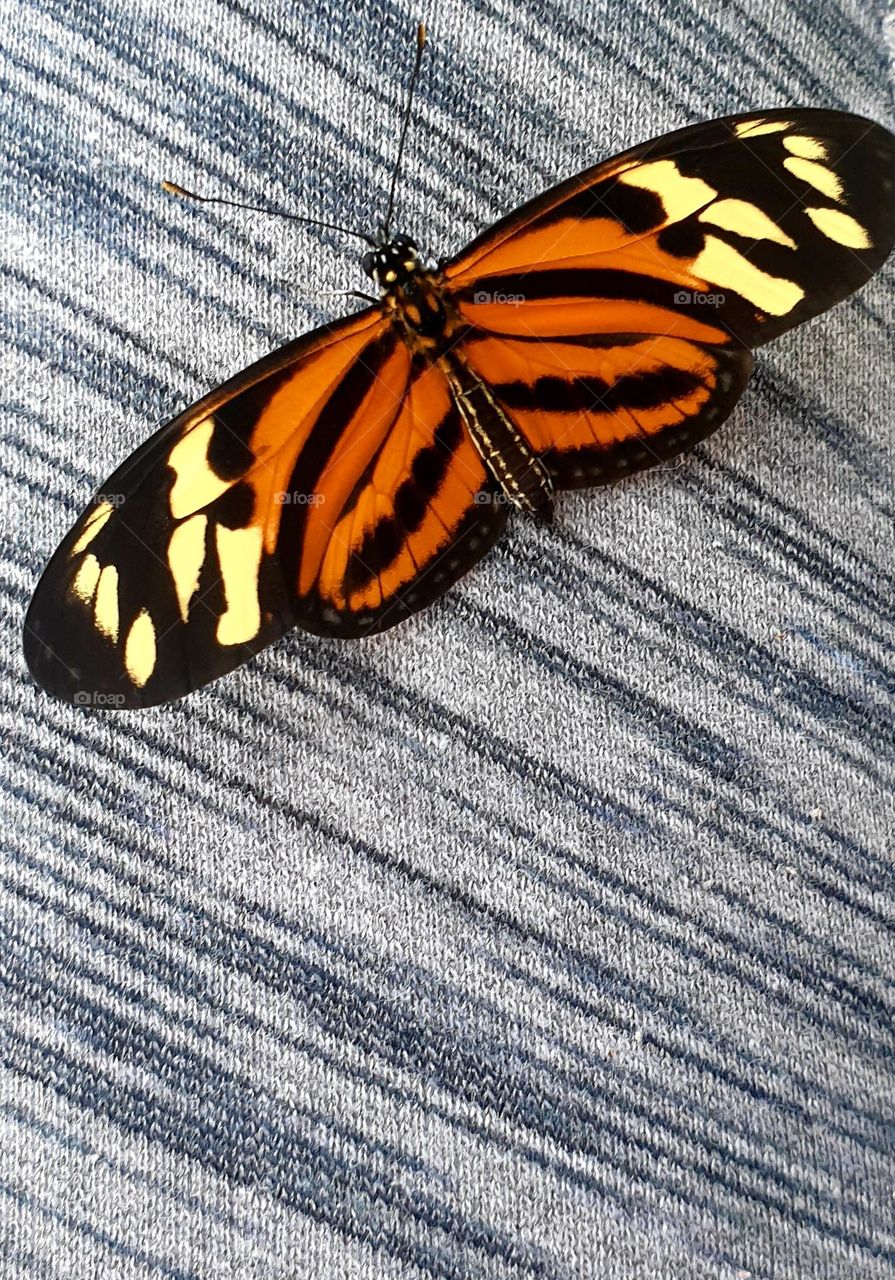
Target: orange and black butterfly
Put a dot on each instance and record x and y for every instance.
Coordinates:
(348, 479)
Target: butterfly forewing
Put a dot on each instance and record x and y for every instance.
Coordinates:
(734, 230)
(168, 579)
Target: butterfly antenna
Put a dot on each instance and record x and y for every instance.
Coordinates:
(420, 46)
(173, 189)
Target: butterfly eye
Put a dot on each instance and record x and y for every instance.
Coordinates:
(368, 262)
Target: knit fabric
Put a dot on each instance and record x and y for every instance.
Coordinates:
(549, 934)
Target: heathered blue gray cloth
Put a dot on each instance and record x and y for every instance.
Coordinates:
(550, 934)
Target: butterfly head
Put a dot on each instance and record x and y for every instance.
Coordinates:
(392, 264)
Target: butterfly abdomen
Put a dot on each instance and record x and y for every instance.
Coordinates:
(522, 477)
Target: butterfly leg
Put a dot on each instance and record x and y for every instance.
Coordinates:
(523, 478)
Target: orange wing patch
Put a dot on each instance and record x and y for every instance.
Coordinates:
(176, 572)
(421, 511)
(350, 454)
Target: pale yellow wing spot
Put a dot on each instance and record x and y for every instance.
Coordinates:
(807, 148)
(816, 175)
(186, 555)
(196, 485)
(239, 553)
(95, 521)
(140, 649)
(755, 128)
(726, 268)
(680, 196)
(745, 219)
(841, 227)
(85, 580)
(105, 606)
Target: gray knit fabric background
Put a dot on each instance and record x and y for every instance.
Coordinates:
(550, 934)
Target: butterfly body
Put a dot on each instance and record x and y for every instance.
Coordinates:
(522, 478)
(431, 326)
(419, 306)
(349, 479)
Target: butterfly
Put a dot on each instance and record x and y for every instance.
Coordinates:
(346, 481)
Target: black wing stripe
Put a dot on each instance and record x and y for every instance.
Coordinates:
(555, 394)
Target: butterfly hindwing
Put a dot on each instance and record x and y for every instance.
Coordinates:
(400, 519)
(600, 408)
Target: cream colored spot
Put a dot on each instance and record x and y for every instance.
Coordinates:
(680, 196)
(95, 521)
(841, 227)
(755, 128)
(725, 268)
(816, 175)
(195, 485)
(186, 555)
(239, 553)
(105, 606)
(808, 148)
(746, 220)
(139, 649)
(85, 580)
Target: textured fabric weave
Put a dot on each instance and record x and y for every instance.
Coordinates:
(549, 934)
